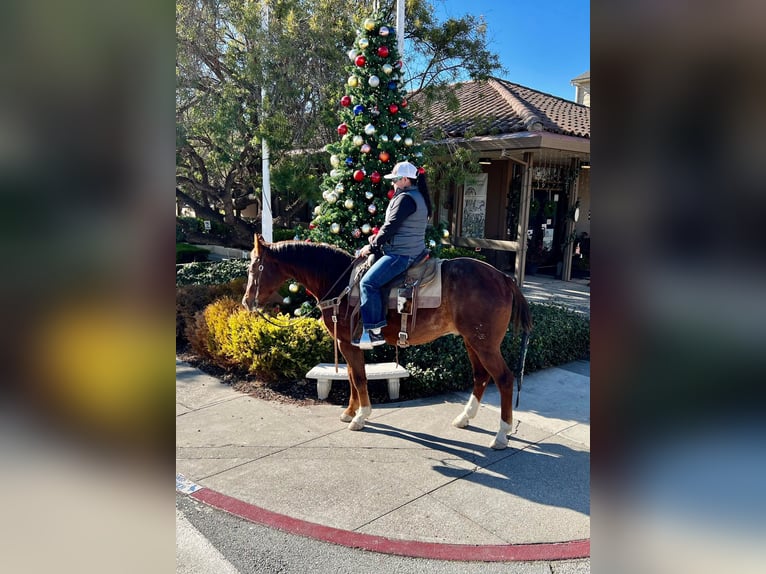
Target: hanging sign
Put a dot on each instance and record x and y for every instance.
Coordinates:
(474, 205)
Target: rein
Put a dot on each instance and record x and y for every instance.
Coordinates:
(334, 304)
(322, 304)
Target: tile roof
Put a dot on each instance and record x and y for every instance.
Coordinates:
(497, 107)
(581, 77)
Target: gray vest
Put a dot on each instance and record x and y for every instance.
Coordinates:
(409, 239)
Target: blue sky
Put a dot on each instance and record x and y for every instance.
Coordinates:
(543, 44)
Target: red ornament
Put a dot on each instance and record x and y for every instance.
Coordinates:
(345, 101)
(360, 61)
(390, 193)
(375, 230)
(375, 177)
(343, 129)
(421, 170)
(383, 51)
(384, 157)
(358, 175)
(312, 226)
(393, 108)
(403, 104)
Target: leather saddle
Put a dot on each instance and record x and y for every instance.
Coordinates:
(418, 287)
(424, 274)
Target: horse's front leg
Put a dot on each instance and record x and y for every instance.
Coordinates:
(353, 400)
(359, 407)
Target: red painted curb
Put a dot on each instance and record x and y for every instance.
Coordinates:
(413, 548)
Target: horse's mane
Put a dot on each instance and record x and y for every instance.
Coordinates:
(322, 260)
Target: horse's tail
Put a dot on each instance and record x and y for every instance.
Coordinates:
(521, 318)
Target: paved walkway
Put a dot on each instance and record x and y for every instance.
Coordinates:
(409, 483)
(572, 294)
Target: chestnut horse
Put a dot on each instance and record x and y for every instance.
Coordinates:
(478, 302)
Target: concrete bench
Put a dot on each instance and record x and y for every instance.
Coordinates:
(325, 374)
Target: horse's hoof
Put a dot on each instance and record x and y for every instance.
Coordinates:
(344, 418)
(460, 421)
(355, 425)
(498, 445)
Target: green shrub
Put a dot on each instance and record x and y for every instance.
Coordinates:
(559, 336)
(454, 252)
(186, 225)
(244, 342)
(437, 367)
(192, 299)
(211, 337)
(241, 341)
(218, 233)
(186, 253)
(212, 272)
(283, 234)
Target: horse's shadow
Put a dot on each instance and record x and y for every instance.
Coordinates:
(543, 472)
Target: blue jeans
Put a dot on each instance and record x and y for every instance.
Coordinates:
(375, 303)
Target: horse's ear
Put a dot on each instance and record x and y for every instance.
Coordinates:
(257, 245)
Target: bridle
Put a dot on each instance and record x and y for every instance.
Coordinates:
(323, 303)
(256, 281)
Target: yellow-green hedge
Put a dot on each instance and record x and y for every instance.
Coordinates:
(234, 338)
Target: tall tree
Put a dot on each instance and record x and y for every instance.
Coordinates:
(224, 59)
(375, 134)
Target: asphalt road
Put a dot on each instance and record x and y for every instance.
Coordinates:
(211, 541)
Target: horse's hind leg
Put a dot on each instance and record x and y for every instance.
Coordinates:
(480, 380)
(504, 380)
(494, 363)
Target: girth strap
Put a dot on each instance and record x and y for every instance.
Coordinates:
(334, 304)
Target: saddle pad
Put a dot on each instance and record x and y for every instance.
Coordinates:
(429, 295)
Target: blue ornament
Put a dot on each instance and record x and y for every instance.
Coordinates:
(392, 85)
(358, 109)
(403, 124)
(349, 161)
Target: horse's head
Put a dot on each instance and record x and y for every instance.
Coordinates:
(264, 275)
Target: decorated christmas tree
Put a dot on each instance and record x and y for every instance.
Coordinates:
(375, 134)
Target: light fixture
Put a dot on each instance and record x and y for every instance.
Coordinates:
(485, 161)
(585, 165)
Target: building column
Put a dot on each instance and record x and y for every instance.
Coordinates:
(566, 269)
(526, 198)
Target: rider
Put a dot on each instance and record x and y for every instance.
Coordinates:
(400, 240)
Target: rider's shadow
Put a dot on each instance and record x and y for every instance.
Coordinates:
(547, 473)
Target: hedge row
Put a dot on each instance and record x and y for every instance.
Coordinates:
(186, 253)
(242, 342)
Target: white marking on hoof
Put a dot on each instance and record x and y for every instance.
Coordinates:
(498, 444)
(357, 423)
(469, 412)
(344, 418)
(460, 421)
(354, 425)
(501, 439)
